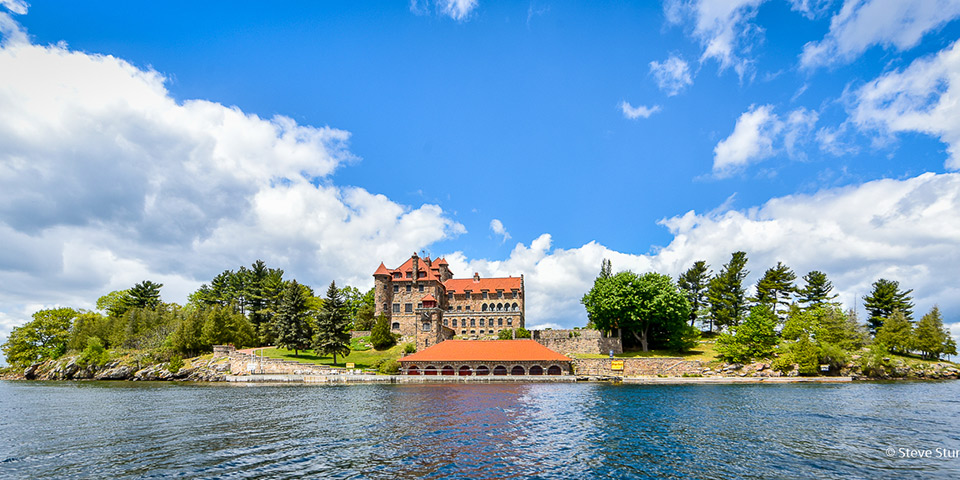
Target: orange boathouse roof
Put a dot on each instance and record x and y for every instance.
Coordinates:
(487, 351)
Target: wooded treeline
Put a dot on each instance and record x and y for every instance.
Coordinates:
(798, 324)
(247, 307)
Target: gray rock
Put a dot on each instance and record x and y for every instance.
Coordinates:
(30, 372)
(121, 372)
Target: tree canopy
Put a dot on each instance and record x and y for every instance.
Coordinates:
(885, 298)
(775, 288)
(726, 292)
(817, 289)
(42, 338)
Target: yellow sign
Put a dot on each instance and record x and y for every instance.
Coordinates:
(351, 365)
(616, 365)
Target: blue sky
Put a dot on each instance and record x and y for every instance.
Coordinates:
(173, 140)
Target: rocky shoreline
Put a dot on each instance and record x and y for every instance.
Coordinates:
(70, 368)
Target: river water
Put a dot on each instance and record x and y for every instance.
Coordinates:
(161, 430)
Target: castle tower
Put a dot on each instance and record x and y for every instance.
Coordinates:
(382, 291)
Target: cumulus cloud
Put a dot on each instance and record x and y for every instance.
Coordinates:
(924, 98)
(106, 180)
(458, 10)
(673, 75)
(904, 230)
(758, 134)
(861, 24)
(811, 9)
(640, 111)
(497, 227)
(724, 29)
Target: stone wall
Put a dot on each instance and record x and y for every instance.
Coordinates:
(359, 333)
(632, 367)
(247, 364)
(583, 340)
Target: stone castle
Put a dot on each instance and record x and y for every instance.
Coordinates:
(423, 300)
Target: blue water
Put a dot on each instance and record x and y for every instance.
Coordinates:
(162, 430)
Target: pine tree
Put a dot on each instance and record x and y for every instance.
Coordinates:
(333, 322)
(291, 324)
(380, 336)
(886, 298)
(726, 293)
(932, 339)
(775, 287)
(817, 290)
(606, 268)
(694, 282)
(145, 294)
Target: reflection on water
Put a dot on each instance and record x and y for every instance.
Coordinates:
(132, 430)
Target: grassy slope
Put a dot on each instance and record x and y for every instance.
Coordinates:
(364, 359)
(705, 352)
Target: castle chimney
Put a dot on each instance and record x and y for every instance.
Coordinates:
(416, 267)
(476, 277)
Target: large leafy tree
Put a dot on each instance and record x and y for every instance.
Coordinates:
(292, 323)
(42, 338)
(113, 303)
(694, 282)
(885, 298)
(775, 288)
(817, 290)
(932, 339)
(333, 321)
(726, 292)
(145, 294)
(649, 307)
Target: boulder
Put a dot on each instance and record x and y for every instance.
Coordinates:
(30, 372)
(121, 372)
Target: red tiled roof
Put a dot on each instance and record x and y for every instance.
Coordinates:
(382, 270)
(432, 273)
(458, 285)
(429, 298)
(442, 261)
(486, 351)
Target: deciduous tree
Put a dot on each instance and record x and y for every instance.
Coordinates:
(42, 338)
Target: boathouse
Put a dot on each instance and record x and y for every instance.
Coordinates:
(486, 357)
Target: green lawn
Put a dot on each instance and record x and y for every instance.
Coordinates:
(363, 359)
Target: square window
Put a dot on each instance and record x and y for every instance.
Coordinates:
(419, 305)
(484, 295)
(420, 287)
(409, 287)
(396, 308)
(408, 307)
(467, 308)
(396, 288)
(458, 308)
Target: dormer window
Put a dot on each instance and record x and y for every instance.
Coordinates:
(484, 295)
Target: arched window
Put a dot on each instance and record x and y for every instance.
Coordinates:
(473, 322)
(509, 322)
(536, 370)
(464, 371)
(499, 307)
(396, 325)
(518, 370)
(413, 370)
(481, 322)
(446, 370)
(515, 307)
(482, 370)
(483, 308)
(454, 323)
(481, 332)
(499, 322)
(445, 322)
(426, 326)
(500, 370)
(430, 370)
(472, 332)
(554, 370)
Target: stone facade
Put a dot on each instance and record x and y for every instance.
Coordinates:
(633, 367)
(423, 300)
(582, 340)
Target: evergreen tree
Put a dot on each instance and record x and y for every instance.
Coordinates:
(694, 282)
(291, 324)
(817, 290)
(896, 333)
(726, 292)
(932, 339)
(380, 336)
(775, 287)
(145, 294)
(886, 298)
(606, 268)
(333, 336)
(754, 338)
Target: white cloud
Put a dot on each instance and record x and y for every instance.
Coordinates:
(924, 98)
(18, 7)
(724, 29)
(640, 111)
(497, 227)
(673, 75)
(861, 24)
(759, 134)
(458, 10)
(811, 9)
(904, 230)
(106, 180)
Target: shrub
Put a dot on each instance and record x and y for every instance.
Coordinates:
(875, 363)
(176, 363)
(380, 336)
(754, 338)
(833, 355)
(94, 354)
(409, 348)
(390, 367)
